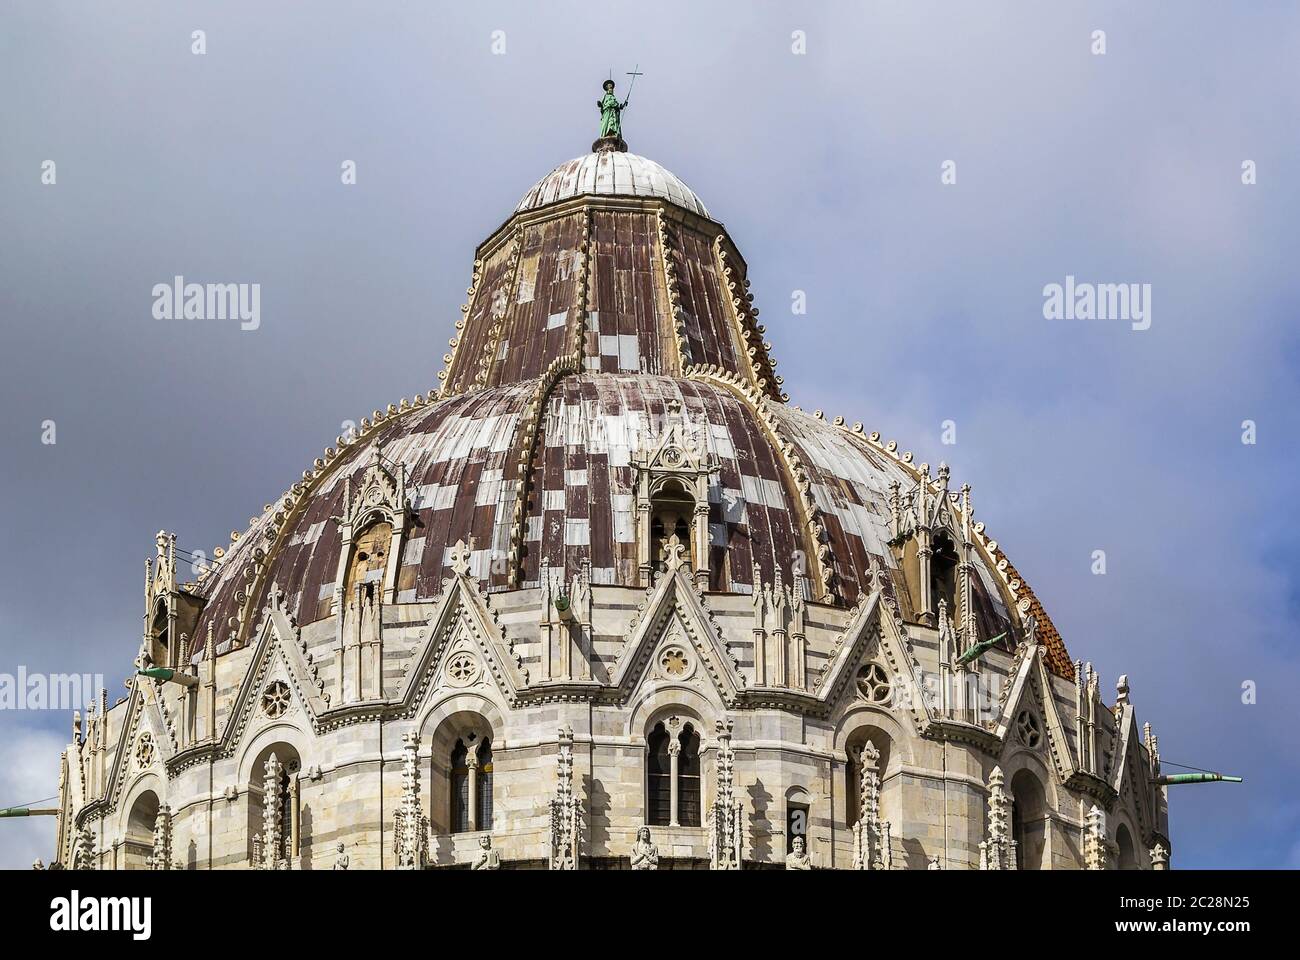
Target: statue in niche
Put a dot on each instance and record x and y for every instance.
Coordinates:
(645, 855)
(488, 859)
(797, 858)
(342, 861)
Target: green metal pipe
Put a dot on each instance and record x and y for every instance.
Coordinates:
(28, 812)
(1167, 779)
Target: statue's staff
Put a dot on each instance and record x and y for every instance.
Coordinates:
(634, 73)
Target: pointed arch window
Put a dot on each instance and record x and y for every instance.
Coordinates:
(659, 782)
(688, 779)
(673, 776)
(370, 557)
(485, 786)
(673, 512)
(471, 785)
(943, 573)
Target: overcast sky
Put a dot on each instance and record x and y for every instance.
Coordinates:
(925, 300)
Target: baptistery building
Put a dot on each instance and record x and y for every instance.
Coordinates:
(604, 599)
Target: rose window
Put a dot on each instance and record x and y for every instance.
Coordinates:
(275, 699)
(462, 669)
(873, 684)
(1030, 733)
(674, 662)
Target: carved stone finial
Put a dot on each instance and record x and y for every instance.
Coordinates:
(273, 841)
(411, 829)
(1159, 857)
(565, 809)
(998, 851)
(460, 559)
(1096, 848)
(83, 850)
(675, 554)
(871, 843)
(726, 820)
(162, 839)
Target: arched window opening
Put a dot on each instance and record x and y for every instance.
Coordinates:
(462, 759)
(659, 782)
(672, 510)
(1028, 820)
(286, 844)
(471, 784)
(160, 631)
(688, 778)
(485, 785)
(796, 824)
(369, 561)
(138, 842)
(670, 757)
(460, 788)
(943, 574)
(1127, 852)
(853, 769)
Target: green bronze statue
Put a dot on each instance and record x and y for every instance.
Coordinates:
(611, 124)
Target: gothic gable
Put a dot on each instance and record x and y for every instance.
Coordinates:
(873, 635)
(281, 677)
(675, 626)
(462, 646)
(1031, 692)
(1131, 781)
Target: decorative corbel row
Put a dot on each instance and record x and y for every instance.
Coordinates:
(684, 359)
(582, 292)
(530, 430)
(449, 359)
(762, 367)
(493, 342)
(757, 350)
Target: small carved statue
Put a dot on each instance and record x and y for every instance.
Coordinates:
(342, 861)
(37, 864)
(797, 858)
(488, 859)
(934, 864)
(645, 855)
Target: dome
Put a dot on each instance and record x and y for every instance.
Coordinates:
(587, 333)
(610, 173)
(459, 457)
(606, 521)
(605, 524)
